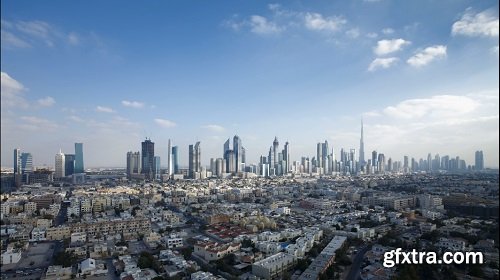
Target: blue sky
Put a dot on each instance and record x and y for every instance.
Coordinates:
(422, 74)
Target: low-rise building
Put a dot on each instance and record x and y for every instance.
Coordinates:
(273, 266)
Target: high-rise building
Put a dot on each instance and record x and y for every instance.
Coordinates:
(79, 167)
(286, 158)
(169, 158)
(175, 159)
(148, 157)
(26, 163)
(59, 165)
(361, 147)
(69, 164)
(479, 161)
(374, 159)
(275, 151)
(194, 159)
(429, 162)
(238, 150)
(17, 161)
(157, 167)
(133, 163)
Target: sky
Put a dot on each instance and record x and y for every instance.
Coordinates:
(423, 76)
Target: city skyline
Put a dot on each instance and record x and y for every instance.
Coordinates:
(423, 77)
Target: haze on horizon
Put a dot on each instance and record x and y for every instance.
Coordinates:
(422, 75)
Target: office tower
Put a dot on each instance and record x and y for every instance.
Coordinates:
(218, 167)
(243, 156)
(17, 161)
(319, 155)
(69, 164)
(389, 165)
(362, 147)
(429, 162)
(194, 159)
(148, 155)
(374, 160)
(238, 150)
(405, 164)
(133, 163)
(79, 167)
(286, 158)
(175, 159)
(381, 163)
(169, 158)
(479, 160)
(270, 160)
(26, 166)
(229, 156)
(436, 162)
(275, 151)
(157, 168)
(445, 163)
(230, 161)
(60, 165)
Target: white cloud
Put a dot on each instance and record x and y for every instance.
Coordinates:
(389, 46)
(372, 35)
(36, 123)
(437, 106)
(214, 127)
(260, 25)
(133, 104)
(46, 102)
(481, 24)
(353, 33)
(10, 40)
(12, 92)
(448, 124)
(73, 38)
(38, 29)
(76, 119)
(165, 123)
(103, 109)
(427, 55)
(494, 50)
(383, 63)
(315, 21)
(387, 31)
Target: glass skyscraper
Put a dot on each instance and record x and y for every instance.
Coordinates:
(79, 168)
(148, 155)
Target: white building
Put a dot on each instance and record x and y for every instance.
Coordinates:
(78, 237)
(60, 165)
(38, 234)
(11, 256)
(273, 266)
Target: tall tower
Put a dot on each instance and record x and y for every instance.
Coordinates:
(17, 161)
(148, 157)
(169, 159)
(479, 160)
(175, 159)
(275, 151)
(60, 165)
(361, 147)
(286, 158)
(194, 159)
(79, 168)
(238, 150)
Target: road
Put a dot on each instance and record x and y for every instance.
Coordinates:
(356, 263)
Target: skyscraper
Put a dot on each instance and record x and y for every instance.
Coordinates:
(275, 151)
(169, 158)
(133, 163)
(175, 159)
(238, 151)
(361, 147)
(157, 168)
(79, 167)
(17, 161)
(26, 163)
(194, 159)
(479, 160)
(148, 155)
(286, 158)
(59, 165)
(69, 164)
